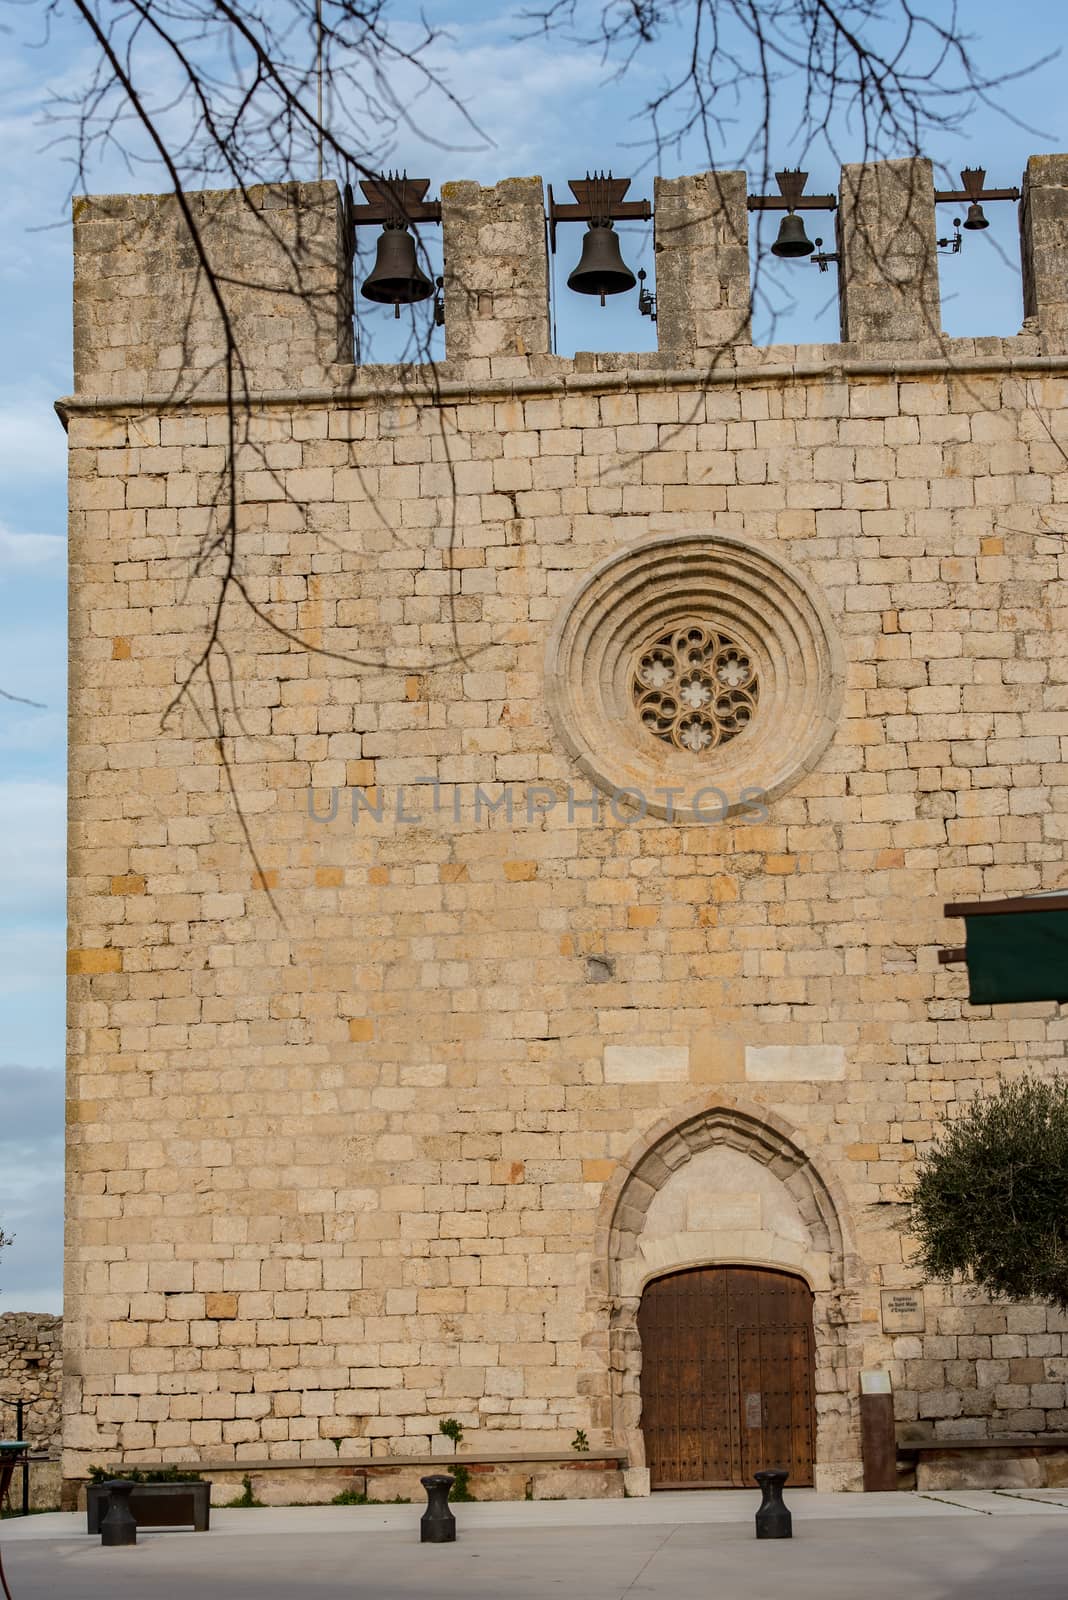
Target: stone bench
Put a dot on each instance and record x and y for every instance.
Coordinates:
(1004, 1461)
(538, 1475)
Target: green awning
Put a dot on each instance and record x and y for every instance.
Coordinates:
(1017, 956)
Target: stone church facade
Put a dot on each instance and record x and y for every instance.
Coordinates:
(609, 734)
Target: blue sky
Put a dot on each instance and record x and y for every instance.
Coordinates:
(546, 109)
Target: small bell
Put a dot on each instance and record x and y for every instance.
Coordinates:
(396, 279)
(601, 269)
(792, 240)
(976, 218)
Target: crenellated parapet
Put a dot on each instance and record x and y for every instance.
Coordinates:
(888, 255)
(1044, 248)
(149, 323)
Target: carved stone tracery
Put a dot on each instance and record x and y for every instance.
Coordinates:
(695, 688)
(751, 715)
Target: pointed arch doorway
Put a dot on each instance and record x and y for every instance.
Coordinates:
(727, 1377)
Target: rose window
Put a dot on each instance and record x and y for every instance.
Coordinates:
(695, 688)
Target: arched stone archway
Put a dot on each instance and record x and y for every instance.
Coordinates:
(724, 1182)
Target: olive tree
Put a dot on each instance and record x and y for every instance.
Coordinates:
(990, 1203)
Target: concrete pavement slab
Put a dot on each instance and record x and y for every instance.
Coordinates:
(926, 1557)
(1050, 1497)
(993, 1502)
(675, 1508)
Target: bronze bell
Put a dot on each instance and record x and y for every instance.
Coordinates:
(396, 279)
(976, 218)
(792, 240)
(601, 268)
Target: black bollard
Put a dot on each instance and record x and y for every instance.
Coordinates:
(773, 1520)
(437, 1524)
(118, 1526)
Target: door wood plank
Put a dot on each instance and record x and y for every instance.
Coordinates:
(728, 1379)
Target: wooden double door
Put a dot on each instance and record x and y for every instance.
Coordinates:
(727, 1379)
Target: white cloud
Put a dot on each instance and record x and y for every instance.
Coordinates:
(33, 660)
(32, 843)
(31, 959)
(32, 440)
(526, 96)
(29, 550)
(31, 1188)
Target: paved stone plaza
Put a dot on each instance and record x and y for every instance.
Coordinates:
(971, 1544)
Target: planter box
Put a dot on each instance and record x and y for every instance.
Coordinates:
(155, 1505)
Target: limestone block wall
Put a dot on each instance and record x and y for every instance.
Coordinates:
(366, 1130)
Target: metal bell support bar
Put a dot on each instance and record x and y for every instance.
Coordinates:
(394, 202)
(599, 201)
(792, 242)
(773, 1519)
(118, 1526)
(437, 1524)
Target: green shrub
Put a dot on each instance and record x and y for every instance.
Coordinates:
(246, 1498)
(153, 1475)
(349, 1497)
(452, 1430)
(989, 1199)
(461, 1489)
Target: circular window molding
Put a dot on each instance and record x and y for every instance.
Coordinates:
(720, 587)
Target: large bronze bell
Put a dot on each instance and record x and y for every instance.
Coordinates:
(396, 279)
(601, 268)
(792, 240)
(976, 218)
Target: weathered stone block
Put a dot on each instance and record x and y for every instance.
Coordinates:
(888, 268)
(565, 1483)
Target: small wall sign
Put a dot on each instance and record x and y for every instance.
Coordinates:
(902, 1310)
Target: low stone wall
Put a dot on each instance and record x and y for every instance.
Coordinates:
(31, 1370)
(594, 1478)
(46, 1486)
